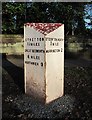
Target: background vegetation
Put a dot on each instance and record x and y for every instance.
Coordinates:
(77, 19)
(15, 14)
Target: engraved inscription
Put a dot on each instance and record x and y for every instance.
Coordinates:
(34, 53)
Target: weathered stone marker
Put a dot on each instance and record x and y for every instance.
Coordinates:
(44, 60)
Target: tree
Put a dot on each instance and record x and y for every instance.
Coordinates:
(70, 14)
(13, 17)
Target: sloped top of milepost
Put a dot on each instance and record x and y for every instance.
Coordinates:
(44, 28)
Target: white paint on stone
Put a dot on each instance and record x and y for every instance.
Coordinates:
(55, 66)
(44, 70)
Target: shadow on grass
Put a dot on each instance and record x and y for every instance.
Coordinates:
(87, 53)
(71, 55)
(15, 72)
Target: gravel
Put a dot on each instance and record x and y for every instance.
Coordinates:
(75, 104)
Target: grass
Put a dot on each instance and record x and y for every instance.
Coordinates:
(17, 48)
(11, 38)
(74, 47)
(13, 44)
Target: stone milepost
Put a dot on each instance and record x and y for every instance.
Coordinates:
(44, 60)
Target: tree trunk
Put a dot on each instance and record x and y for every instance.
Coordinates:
(72, 32)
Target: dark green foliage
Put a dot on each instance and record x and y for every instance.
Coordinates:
(13, 17)
(17, 13)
